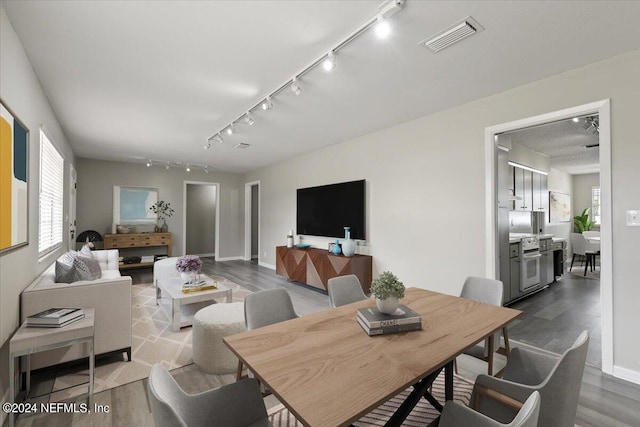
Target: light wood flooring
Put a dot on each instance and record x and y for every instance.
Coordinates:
(604, 400)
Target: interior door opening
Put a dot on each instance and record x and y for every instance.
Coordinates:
(201, 212)
(252, 222)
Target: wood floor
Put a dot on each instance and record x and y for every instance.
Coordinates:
(604, 400)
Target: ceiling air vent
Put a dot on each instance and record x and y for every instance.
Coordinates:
(458, 31)
(241, 145)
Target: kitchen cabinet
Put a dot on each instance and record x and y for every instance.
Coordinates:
(547, 275)
(540, 194)
(523, 188)
(514, 285)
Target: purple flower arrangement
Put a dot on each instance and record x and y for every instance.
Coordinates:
(188, 263)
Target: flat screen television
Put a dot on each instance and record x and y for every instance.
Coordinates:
(327, 209)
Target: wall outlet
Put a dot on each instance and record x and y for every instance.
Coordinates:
(633, 218)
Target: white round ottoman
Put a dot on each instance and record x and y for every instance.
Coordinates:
(210, 325)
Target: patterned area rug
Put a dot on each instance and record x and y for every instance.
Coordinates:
(153, 342)
(421, 415)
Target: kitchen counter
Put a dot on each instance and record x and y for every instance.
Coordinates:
(516, 237)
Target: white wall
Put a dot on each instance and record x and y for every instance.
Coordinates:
(563, 183)
(21, 92)
(96, 179)
(426, 185)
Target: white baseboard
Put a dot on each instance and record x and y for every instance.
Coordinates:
(231, 258)
(264, 264)
(626, 374)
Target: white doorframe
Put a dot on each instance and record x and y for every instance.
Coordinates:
(247, 219)
(184, 215)
(603, 109)
(73, 194)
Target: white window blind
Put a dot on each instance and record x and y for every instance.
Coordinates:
(51, 196)
(595, 204)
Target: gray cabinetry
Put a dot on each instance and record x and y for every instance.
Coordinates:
(540, 196)
(547, 275)
(523, 189)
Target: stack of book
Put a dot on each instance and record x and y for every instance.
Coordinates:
(188, 288)
(55, 317)
(375, 323)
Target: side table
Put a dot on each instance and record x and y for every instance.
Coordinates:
(27, 341)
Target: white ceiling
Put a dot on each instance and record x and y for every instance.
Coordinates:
(131, 80)
(565, 142)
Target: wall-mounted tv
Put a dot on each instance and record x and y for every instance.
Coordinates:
(327, 209)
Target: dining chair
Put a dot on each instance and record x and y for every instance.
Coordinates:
(582, 248)
(455, 414)
(235, 405)
(265, 308)
(589, 234)
(557, 377)
(344, 290)
(488, 291)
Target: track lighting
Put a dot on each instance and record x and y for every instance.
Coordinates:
(329, 63)
(248, 119)
(207, 145)
(382, 28)
(206, 169)
(149, 164)
(188, 168)
(267, 104)
(231, 129)
(168, 166)
(295, 87)
(575, 120)
(219, 138)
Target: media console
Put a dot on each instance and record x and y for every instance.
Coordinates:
(314, 267)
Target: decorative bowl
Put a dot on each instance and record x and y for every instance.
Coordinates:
(303, 245)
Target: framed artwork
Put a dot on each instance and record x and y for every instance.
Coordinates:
(131, 205)
(559, 207)
(14, 181)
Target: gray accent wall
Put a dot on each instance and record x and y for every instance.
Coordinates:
(563, 183)
(582, 192)
(96, 179)
(21, 92)
(201, 219)
(426, 187)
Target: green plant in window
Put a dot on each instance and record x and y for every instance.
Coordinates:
(582, 221)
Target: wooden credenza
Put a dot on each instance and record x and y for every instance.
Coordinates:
(314, 267)
(137, 240)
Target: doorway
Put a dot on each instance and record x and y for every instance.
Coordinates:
(252, 222)
(201, 218)
(602, 109)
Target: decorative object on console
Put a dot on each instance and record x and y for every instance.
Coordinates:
(188, 266)
(388, 290)
(290, 239)
(303, 245)
(349, 245)
(163, 210)
(336, 248)
(123, 229)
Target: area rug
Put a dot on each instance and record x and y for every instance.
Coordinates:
(421, 415)
(153, 342)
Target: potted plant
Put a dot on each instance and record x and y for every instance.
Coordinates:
(388, 290)
(582, 221)
(188, 266)
(164, 211)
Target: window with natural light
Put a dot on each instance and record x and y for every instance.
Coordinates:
(595, 204)
(51, 196)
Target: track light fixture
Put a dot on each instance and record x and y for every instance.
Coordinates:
(231, 129)
(379, 22)
(295, 87)
(267, 104)
(149, 163)
(330, 63)
(219, 138)
(188, 168)
(168, 166)
(207, 145)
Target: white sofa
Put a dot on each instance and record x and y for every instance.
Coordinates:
(110, 296)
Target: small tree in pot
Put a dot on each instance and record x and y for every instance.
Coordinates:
(388, 290)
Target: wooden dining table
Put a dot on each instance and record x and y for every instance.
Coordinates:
(328, 372)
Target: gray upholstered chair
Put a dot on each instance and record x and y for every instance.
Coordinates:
(456, 415)
(265, 308)
(488, 291)
(235, 405)
(557, 378)
(344, 290)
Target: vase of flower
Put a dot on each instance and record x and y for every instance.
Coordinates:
(163, 210)
(388, 290)
(188, 266)
(349, 245)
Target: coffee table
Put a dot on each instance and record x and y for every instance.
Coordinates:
(181, 307)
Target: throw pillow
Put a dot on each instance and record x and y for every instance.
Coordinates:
(86, 251)
(92, 265)
(70, 269)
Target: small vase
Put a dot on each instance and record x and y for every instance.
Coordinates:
(188, 276)
(388, 305)
(349, 245)
(336, 248)
(164, 228)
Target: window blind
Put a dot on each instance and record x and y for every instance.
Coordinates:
(51, 196)
(595, 204)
